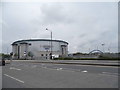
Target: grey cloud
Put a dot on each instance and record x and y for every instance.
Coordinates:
(81, 24)
(83, 35)
(54, 13)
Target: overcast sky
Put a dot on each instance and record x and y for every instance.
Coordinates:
(84, 25)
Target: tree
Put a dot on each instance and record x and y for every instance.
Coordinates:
(30, 54)
(5, 56)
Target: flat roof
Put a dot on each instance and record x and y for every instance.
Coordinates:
(19, 41)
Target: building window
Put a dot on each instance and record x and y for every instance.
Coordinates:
(46, 54)
(42, 54)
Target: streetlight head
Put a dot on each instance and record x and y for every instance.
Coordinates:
(103, 44)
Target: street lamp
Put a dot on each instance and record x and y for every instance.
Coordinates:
(103, 47)
(51, 43)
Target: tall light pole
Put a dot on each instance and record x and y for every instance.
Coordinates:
(51, 43)
(103, 47)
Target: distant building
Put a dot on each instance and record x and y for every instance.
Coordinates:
(111, 55)
(39, 49)
(93, 55)
(81, 55)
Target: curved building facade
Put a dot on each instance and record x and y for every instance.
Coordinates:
(39, 49)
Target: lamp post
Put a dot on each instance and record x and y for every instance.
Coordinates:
(103, 47)
(51, 43)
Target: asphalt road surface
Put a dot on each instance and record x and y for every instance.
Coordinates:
(25, 74)
(0, 77)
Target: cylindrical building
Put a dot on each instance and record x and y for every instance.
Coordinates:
(39, 49)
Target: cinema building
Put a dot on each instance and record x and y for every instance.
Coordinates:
(39, 49)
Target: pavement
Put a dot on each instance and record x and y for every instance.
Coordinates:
(26, 74)
(115, 63)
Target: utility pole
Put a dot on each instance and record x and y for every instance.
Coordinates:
(51, 44)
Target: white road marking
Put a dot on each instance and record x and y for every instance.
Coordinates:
(59, 68)
(15, 68)
(44, 67)
(34, 66)
(14, 78)
(85, 71)
(110, 73)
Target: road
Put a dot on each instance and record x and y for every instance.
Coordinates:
(0, 77)
(25, 74)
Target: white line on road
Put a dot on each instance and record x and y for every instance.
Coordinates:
(110, 73)
(34, 66)
(44, 67)
(84, 71)
(59, 68)
(15, 68)
(14, 78)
